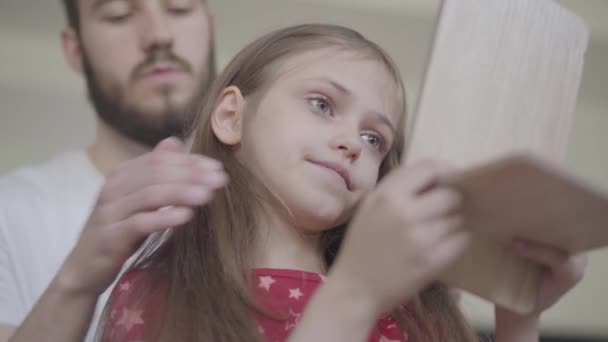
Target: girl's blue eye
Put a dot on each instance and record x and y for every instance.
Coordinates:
(374, 141)
(320, 105)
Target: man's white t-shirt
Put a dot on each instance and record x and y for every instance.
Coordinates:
(43, 209)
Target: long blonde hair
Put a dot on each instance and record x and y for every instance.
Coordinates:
(206, 263)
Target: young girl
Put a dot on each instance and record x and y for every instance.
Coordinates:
(312, 239)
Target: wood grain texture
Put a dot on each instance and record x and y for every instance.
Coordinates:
(535, 199)
(502, 78)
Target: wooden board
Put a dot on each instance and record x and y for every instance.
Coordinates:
(502, 77)
(523, 197)
(527, 197)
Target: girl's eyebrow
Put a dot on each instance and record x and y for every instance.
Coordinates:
(333, 83)
(381, 118)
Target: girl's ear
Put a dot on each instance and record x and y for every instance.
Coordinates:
(227, 118)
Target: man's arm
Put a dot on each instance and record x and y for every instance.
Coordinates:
(128, 209)
(63, 313)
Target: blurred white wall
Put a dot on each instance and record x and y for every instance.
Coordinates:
(43, 108)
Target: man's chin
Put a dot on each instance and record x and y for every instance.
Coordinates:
(155, 105)
(153, 112)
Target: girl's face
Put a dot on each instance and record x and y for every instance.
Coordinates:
(319, 133)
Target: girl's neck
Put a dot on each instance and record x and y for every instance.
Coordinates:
(281, 245)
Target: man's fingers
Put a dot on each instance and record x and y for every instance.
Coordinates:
(156, 197)
(128, 183)
(158, 169)
(143, 224)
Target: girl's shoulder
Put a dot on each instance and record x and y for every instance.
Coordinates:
(136, 299)
(140, 287)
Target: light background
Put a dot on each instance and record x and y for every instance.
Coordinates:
(43, 108)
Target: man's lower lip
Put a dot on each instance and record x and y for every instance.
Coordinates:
(162, 75)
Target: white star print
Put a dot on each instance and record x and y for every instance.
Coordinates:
(130, 318)
(124, 286)
(261, 330)
(295, 293)
(384, 339)
(266, 282)
(292, 321)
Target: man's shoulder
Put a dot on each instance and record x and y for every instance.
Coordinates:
(64, 172)
(55, 192)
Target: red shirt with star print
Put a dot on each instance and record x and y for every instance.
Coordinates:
(282, 291)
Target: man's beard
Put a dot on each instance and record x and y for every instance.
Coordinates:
(145, 127)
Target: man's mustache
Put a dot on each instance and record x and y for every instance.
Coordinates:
(160, 56)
